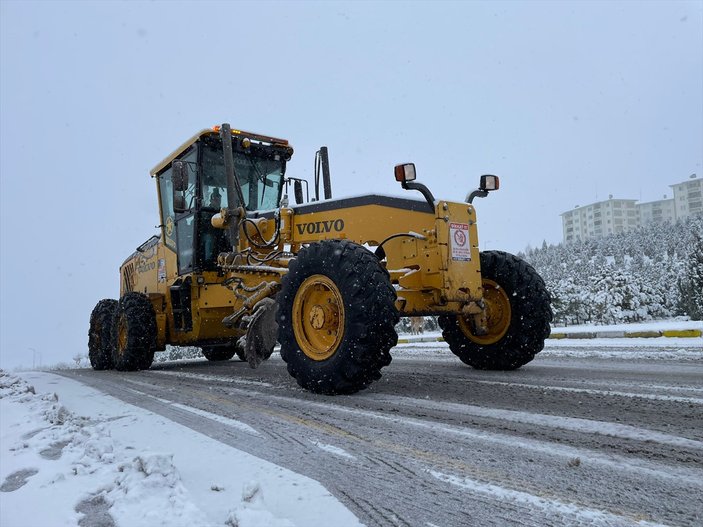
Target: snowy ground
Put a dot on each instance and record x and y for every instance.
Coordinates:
(609, 331)
(68, 459)
(679, 349)
(92, 460)
(674, 348)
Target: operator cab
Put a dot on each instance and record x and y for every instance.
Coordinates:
(193, 188)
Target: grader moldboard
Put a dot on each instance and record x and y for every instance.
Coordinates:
(235, 269)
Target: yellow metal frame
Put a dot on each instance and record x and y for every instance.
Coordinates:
(428, 279)
(430, 274)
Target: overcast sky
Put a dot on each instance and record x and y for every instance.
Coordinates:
(567, 102)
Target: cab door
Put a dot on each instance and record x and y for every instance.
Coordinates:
(178, 218)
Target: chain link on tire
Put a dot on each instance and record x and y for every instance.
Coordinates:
(99, 334)
(344, 327)
(133, 336)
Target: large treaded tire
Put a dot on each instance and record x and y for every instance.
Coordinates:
(370, 316)
(133, 333)
(99, 334)
(530, 315)
(221, 353)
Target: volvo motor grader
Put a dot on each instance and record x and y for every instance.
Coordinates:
(237, 268)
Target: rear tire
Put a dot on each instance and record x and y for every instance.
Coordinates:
(336, 317)
(221, 353)
(134, 333)
(99, 349)
(519, 314)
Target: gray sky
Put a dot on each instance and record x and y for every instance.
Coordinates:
(566, 101)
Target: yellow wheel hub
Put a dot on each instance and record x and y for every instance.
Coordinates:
(318, 317)
(498, 315)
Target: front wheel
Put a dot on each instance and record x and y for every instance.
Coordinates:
(518, 312)
(134, 333)
(336, 317)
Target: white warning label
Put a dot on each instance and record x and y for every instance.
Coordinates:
(162, 270)
(459, 240)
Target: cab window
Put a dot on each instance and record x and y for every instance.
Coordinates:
(259, 178)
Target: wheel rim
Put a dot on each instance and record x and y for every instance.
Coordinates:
(498, 315)
(318, 317)
(121, 335)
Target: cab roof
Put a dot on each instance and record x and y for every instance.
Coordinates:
(215, 130)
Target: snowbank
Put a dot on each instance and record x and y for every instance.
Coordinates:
(659, 325)
(127, 466)
(660, 328)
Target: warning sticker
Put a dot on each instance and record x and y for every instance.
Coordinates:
(162, 270)
(459, 240)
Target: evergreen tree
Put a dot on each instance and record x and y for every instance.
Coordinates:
(627, 276)
(691, 284)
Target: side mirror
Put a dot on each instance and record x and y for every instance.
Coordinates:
(405, 172)
(489, 183)
(179, 203)
(298, 192)
(180, 176)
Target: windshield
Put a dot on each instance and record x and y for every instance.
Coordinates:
(259, 178)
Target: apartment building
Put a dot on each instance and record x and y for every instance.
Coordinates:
(657, 211)
(599, 219)
(622, 215)
(687, 196)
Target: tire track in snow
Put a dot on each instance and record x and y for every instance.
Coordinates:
(388, 437)
(569, 513)
(232, 423)
(384, 449)
(573, 424)
(384, 516)
(593, 391)
(311, 420)
(335, 450)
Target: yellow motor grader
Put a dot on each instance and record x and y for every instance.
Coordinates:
(237, 268)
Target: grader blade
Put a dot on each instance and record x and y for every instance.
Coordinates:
(261, 333)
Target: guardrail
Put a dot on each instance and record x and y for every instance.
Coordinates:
(681, 333)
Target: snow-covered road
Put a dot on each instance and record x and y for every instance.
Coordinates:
(580, 436)
(72, 455)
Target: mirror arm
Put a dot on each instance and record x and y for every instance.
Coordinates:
(478, 193)
(412, 185)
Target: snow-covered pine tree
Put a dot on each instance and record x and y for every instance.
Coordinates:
(691, 284)
(649, 263)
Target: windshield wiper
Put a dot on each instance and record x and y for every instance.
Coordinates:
(262, 177)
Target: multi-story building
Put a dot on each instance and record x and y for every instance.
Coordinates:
(687, 196)
(657, 211)
(599, 219)
(622, 215)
